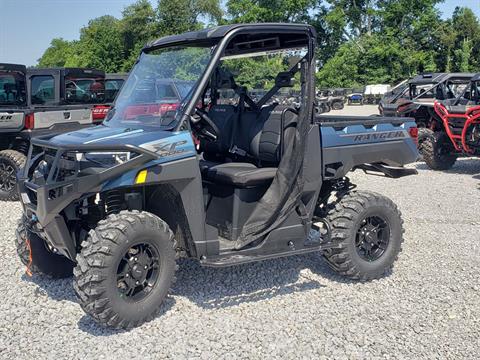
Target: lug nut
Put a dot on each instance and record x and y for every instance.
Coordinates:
(127, 275)
(136, 259)
(137, 282)
(145, 267)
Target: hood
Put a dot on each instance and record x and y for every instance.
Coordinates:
(105, 135)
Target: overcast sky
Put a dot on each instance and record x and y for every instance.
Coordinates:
(28, 26)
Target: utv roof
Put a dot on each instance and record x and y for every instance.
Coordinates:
(69, 71)
(435, 78)
(13, 67)
(215, 33)
(116, 76)
(476, 77)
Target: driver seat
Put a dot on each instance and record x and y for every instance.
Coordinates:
(258, 138)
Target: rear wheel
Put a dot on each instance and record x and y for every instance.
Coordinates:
(35, 254)
(438, 151)
(125, 269)
(423, 134)
(366, 233)
(337, 105)
(11, 162)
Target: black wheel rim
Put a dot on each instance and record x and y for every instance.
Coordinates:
(372, 238)
(8, 177)
(138, 272)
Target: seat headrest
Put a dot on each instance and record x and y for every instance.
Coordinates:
(284, 79)
(224, 79)
(8, 87)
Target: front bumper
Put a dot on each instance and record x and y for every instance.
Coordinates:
(44, 204)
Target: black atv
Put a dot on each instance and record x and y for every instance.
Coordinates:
(222, 183)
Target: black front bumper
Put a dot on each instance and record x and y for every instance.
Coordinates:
(46, 212)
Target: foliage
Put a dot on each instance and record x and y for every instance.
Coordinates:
(60, 53)
(359, 41)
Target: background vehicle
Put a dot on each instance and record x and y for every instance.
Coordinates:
(373, 93)
(113, 84)
(334, 98)
(396, 92)
(163, 95)
(36, 102)
(355, 98)
(224, 184)
(13, 103)
(455, 130)
(417, 100)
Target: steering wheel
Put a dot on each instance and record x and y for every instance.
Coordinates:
(204, 126)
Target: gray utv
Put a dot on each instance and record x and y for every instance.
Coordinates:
(35, 102)
(225, 184)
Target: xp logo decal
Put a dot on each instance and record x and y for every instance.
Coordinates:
(164, 149)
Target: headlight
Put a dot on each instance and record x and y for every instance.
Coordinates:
(106, 159)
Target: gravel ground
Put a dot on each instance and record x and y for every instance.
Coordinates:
(429, 307)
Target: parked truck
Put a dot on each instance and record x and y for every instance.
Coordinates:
(225, 184)
(35, 102)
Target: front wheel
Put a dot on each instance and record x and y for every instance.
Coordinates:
(125, 269)
(11, 162)
(366, 235)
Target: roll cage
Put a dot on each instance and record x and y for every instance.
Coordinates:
(287, 36)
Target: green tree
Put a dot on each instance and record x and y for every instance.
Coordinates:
(138, 26)
(359, 41)
(177, 16)
(248, 11)
(101, 44)
(467, 43)
(60, 53)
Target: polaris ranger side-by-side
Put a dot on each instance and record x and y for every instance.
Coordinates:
(226, 184)
(40, 101)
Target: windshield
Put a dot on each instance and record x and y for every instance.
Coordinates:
(12, 88)
(159, 87)
(84, 90)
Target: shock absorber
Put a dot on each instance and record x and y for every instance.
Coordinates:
(113, 202)
(22, 147)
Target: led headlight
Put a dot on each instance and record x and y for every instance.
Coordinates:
(106, 159)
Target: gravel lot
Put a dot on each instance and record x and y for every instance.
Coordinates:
(429, 307)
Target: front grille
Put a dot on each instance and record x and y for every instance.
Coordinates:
(48, 165)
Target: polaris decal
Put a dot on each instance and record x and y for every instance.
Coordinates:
(386, 135)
